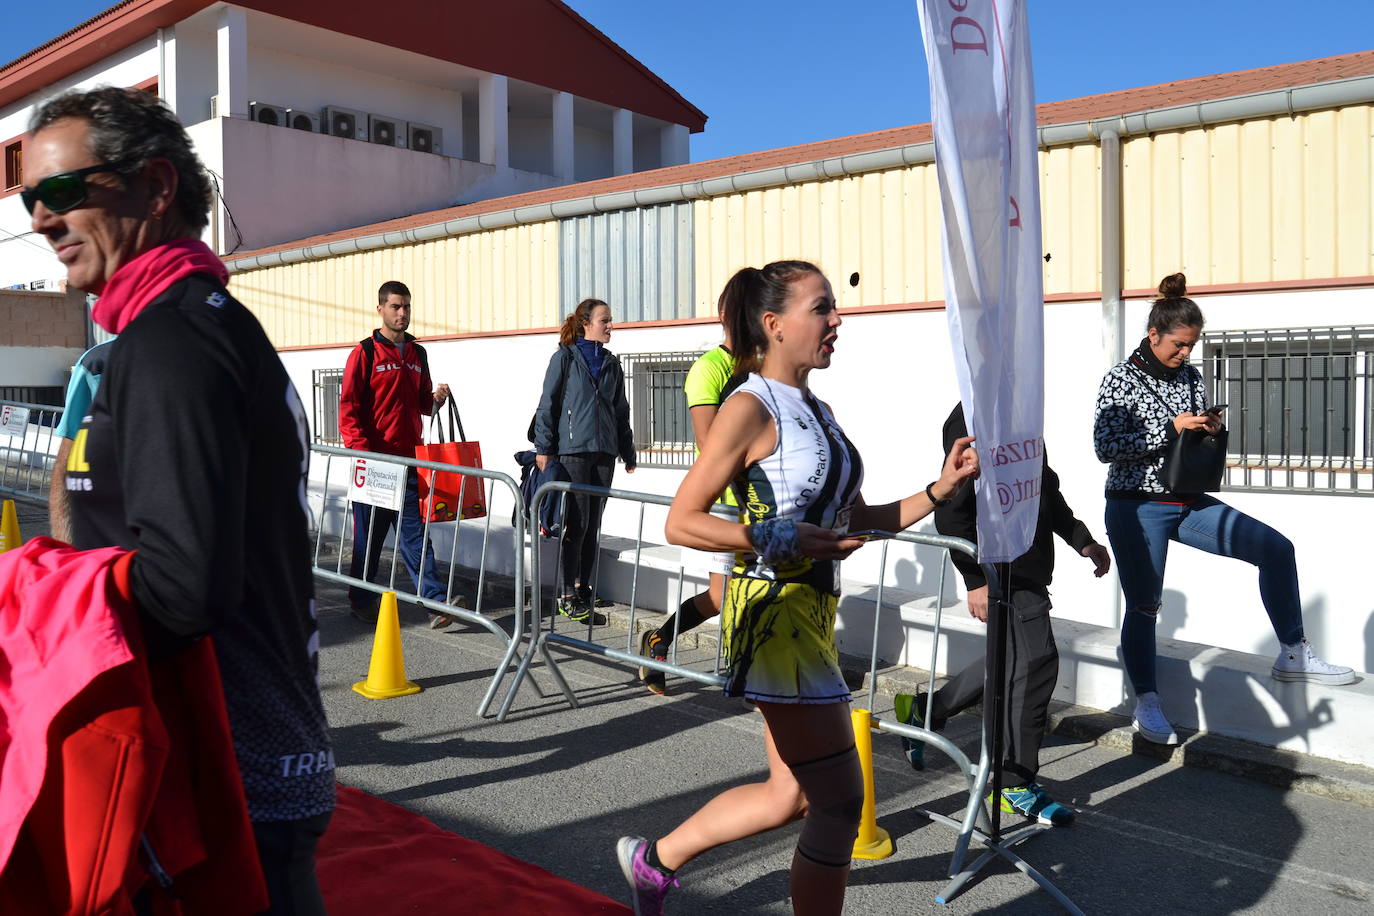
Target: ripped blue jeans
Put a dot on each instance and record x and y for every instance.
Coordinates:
(1140, 532)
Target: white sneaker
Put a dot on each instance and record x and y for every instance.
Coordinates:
(1151, 722)
(1299, 663)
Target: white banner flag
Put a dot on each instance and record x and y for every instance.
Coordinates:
(982, 103)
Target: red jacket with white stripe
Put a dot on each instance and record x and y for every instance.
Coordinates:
(383, 397)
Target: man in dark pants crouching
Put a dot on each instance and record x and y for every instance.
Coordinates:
(1033, 659)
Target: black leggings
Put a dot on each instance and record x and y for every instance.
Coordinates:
(582, 515)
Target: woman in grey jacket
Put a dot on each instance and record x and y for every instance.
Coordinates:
(584, 420)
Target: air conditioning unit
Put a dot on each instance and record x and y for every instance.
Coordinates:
(425, 138)
(387, 131)
(343, 122)
(303, 120)
(264, 113)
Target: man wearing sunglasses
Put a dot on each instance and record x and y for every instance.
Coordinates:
(192, 456)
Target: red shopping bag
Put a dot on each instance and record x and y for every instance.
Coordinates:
(446, 495)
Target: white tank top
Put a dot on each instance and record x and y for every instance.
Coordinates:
(812, 475)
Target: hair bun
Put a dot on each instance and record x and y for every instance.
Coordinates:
(1174, 286)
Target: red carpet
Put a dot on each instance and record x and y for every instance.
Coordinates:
(379, 859)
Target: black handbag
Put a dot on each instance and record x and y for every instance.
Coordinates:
(1195, 462)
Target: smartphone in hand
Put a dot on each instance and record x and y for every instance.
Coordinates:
(1215, 410)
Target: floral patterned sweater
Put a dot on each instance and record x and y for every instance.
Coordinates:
(1136, 405)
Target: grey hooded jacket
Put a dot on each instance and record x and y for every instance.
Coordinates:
(576, 415)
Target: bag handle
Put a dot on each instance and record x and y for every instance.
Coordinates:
(436, 418)
(455, 423)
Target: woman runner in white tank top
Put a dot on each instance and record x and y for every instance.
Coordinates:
(797, 480)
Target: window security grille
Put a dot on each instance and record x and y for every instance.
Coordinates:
(1301, 414)
(658, 409)
(328, 384)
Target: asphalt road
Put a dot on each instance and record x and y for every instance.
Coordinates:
(556, 786)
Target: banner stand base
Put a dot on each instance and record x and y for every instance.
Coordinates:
(995, 848)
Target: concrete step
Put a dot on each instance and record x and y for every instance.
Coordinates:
(1286, 769)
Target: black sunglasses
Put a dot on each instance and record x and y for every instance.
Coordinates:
(65, 190)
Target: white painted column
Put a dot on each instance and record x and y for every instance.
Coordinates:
(622, 142)
(563, 137)
(167, 66)
(493, 120)
(232, 60)
(675, 144)
(453, 146)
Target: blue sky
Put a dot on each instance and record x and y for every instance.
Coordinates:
(779, 72)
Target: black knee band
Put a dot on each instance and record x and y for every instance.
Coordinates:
(834, 789)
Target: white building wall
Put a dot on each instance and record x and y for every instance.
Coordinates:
(293, 81)
(283, 184)
(189, 73)
(531, 144)
(892, 386)
(37, 366)
(593, 156)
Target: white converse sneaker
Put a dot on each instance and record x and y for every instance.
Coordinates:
(1151, 722)
(1299, 663)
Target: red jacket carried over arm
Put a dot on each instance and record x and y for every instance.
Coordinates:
(383, 397)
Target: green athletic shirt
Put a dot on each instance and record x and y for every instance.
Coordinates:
(705, 385)
(708, 376)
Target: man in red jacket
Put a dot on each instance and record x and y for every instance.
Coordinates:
(386, 389)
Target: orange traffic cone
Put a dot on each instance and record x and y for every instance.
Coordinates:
(9, 527)
(386, 674)
(873, 841)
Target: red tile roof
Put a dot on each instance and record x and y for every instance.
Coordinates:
(1127, 101)
(543, 42)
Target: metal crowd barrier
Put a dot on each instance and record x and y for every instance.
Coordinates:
(540, 638)
(26, 458)
(975, 823)
(336, 573)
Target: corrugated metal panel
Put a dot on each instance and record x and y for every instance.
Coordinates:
(639, 261)
(1071, 217)
(488, 281)
(885, 226)
(1270, 200)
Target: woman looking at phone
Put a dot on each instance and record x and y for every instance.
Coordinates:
(797, 480)
(1144, 403)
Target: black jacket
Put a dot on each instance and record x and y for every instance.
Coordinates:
(194, 454)
(1035, 568)
(576, 415)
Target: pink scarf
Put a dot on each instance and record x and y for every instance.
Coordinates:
(147, 276)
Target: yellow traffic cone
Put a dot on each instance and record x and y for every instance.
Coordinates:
(9, 527)
(873, 841)
(386, 674)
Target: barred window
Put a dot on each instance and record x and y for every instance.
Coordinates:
(658, 408)
(328, 383)
(1301, 407)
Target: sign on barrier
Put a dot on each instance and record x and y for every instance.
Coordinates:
(14, 420)
(377, 483)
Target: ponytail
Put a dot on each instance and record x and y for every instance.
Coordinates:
(574, 326)
(749, 294)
